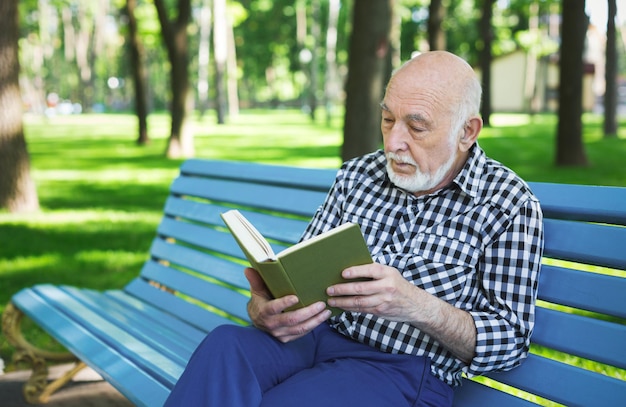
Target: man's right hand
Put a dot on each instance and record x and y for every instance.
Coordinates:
(269, 315)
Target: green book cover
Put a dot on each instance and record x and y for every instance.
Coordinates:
(305, 269)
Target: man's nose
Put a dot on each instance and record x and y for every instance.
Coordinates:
(397, 138)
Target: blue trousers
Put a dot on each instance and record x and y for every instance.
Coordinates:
(245, 367)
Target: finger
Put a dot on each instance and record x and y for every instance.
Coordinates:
(294, 327)
(357, 303)
(279, 305)
(351, 289)
(255, 280)
(371, 271)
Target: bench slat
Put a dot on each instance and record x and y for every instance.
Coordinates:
(584, 290)
(577, 335)
(309, 178)
(588, 243)
(164, 317)
(270, 226)
(198, 211)
(473, 394)
(582, 202)
(564, 384)
(267, 197)
(157, 335)
(193, 314)
(232, 302)
(212, 266)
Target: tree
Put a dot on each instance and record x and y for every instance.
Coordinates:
(219, 56)
(569, 142)
(486, 34)
(17, 189)
(369, 46)
(316, 32)
(610, 92)
(436, 35)
(204, 49)
(174, 34)
(138, 73)
(330, 80)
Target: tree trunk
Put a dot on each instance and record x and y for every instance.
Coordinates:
(231, 72)
(610, 92)
(17, 189)
(139, 73)
(569, 143)
(330, 80)
(316, 32)
(219, 53)
(369, 46)
(204, 50)
(530, 80)
(486, 34)
(436, 35)
(180, 143)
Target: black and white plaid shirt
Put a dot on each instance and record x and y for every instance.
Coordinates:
(476, 244)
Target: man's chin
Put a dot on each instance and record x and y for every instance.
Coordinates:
(402, 181)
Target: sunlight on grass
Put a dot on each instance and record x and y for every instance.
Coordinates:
(109, 175)
(69, 217)
(18, 265)
(508, 120)
(110, 260)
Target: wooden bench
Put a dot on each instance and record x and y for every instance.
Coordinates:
(139, 338)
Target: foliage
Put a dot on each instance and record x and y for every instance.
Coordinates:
(265, 36)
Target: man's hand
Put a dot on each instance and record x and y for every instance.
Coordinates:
(387, 294)
(390, 296)
(267, 313)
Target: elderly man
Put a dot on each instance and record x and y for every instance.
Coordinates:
(456, 240)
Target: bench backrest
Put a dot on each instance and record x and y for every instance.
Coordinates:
(195, 271)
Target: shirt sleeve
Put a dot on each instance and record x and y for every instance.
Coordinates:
(505, 313)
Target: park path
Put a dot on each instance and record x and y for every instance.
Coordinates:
(87, 389)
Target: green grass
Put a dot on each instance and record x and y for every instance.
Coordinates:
(102, 196)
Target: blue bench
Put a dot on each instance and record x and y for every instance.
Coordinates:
(139, 338)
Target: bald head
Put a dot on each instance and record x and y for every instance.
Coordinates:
(443, 75)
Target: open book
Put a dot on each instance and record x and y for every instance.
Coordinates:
(305, 269)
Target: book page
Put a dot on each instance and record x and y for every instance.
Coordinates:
(248, 236)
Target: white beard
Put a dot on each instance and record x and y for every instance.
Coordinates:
(419, 181)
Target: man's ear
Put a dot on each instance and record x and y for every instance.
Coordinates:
(470, 133)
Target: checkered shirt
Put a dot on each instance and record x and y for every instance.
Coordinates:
(476, 244)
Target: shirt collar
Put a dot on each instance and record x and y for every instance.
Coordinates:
(468, 180)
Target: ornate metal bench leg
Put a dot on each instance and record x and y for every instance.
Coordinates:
(57, 383)
(37, 389)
